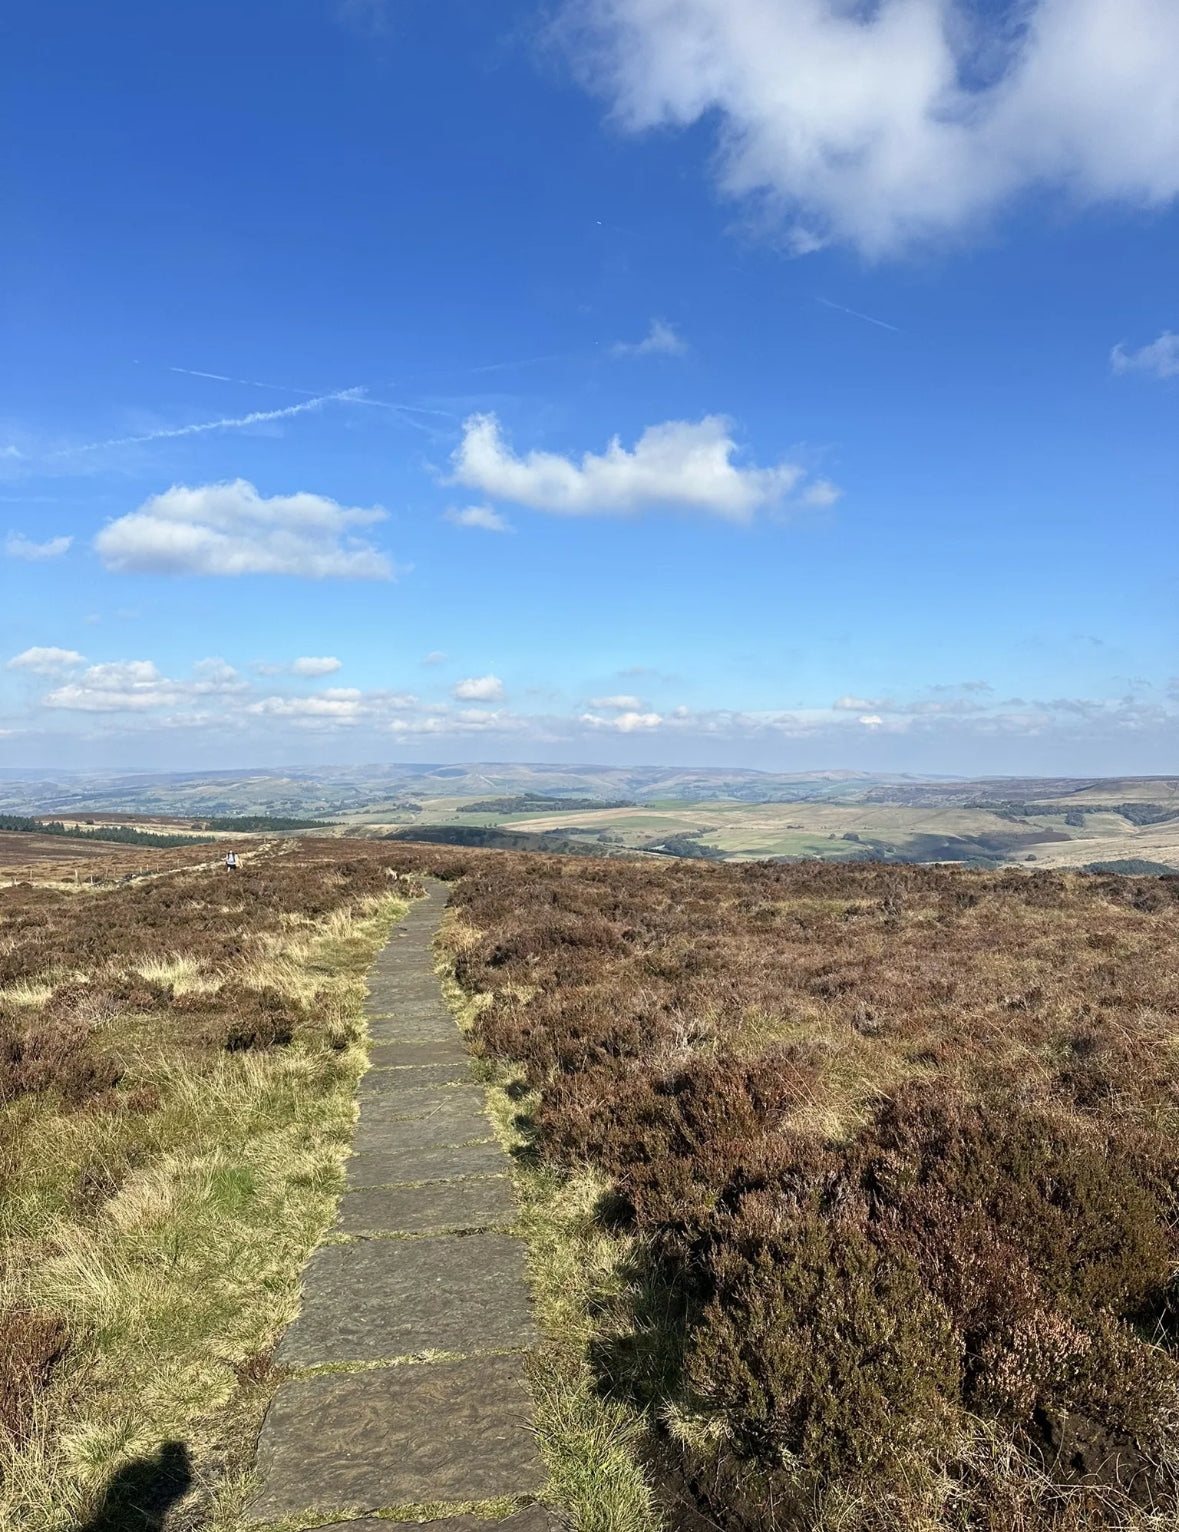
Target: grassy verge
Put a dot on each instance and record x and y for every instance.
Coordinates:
(578, 1272)
(165, 1176)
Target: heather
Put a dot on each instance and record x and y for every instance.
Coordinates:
(890, 1154)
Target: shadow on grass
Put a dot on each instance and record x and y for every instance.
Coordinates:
(142, 1492)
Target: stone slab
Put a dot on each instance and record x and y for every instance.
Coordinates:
(417, 1166)
(377, 1299)
(382, 1081)
(410, 1007)
(367, 1441)
(384, 1135)
(533, 1518)
(417, 1055)
(413, 1100)
(399, 1029)
(437, 1208)
(400, 1020)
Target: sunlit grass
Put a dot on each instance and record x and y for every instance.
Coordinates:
(169, 1234)
(591, 1444)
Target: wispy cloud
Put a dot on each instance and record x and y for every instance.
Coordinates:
(661, 339)
(18, 546)
(482, 517)
(1161, 357)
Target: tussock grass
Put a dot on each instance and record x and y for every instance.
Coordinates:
(161, 1215)
(591, 1445)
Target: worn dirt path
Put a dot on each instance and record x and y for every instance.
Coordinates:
(408, 1351)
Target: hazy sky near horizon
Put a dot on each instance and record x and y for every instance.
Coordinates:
(780, 383)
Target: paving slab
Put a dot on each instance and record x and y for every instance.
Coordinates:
(533, 1518)
(407, 1029)
(425, 1271)
(380, 1135)
(418, 1433)
(381, 1081)
(436, 1163)
(418, 1055)
(409, 1099)
(437, 1208)
(376, 1299)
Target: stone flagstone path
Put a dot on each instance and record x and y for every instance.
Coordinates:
(369, 1423)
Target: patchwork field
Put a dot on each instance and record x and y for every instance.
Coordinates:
(1067, 832)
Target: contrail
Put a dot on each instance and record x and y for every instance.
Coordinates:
(256, 417)
(220, 377)
(284, 388)
(524, 361)
(855, 313)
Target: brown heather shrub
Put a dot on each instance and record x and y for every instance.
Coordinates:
(31, 1345)
(53, 1057)
(817, 1349)
(238, 1019)
(899, 1146)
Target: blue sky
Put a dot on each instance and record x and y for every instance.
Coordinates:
(320, 320)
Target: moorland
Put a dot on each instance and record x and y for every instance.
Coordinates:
(179, 1048)
(850, 1188)
(889, 1156)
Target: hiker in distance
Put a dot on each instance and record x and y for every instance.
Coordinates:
(231, 861)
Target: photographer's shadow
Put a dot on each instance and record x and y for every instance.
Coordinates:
(142, 1492)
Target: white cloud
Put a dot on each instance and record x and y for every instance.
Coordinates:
(480, 516)
(677, 464)
(661, 339)
(230, 529)
(136, 686)
(125, 685)
(342, 704)
(435, 657)
(872, 720)
(315, 665)
(623, 704)
(821, 494)
(860, 704)
(624, 723)
(888, 123)
(46, 662)
(18, 546)
(1161, 357)
(480, 689)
